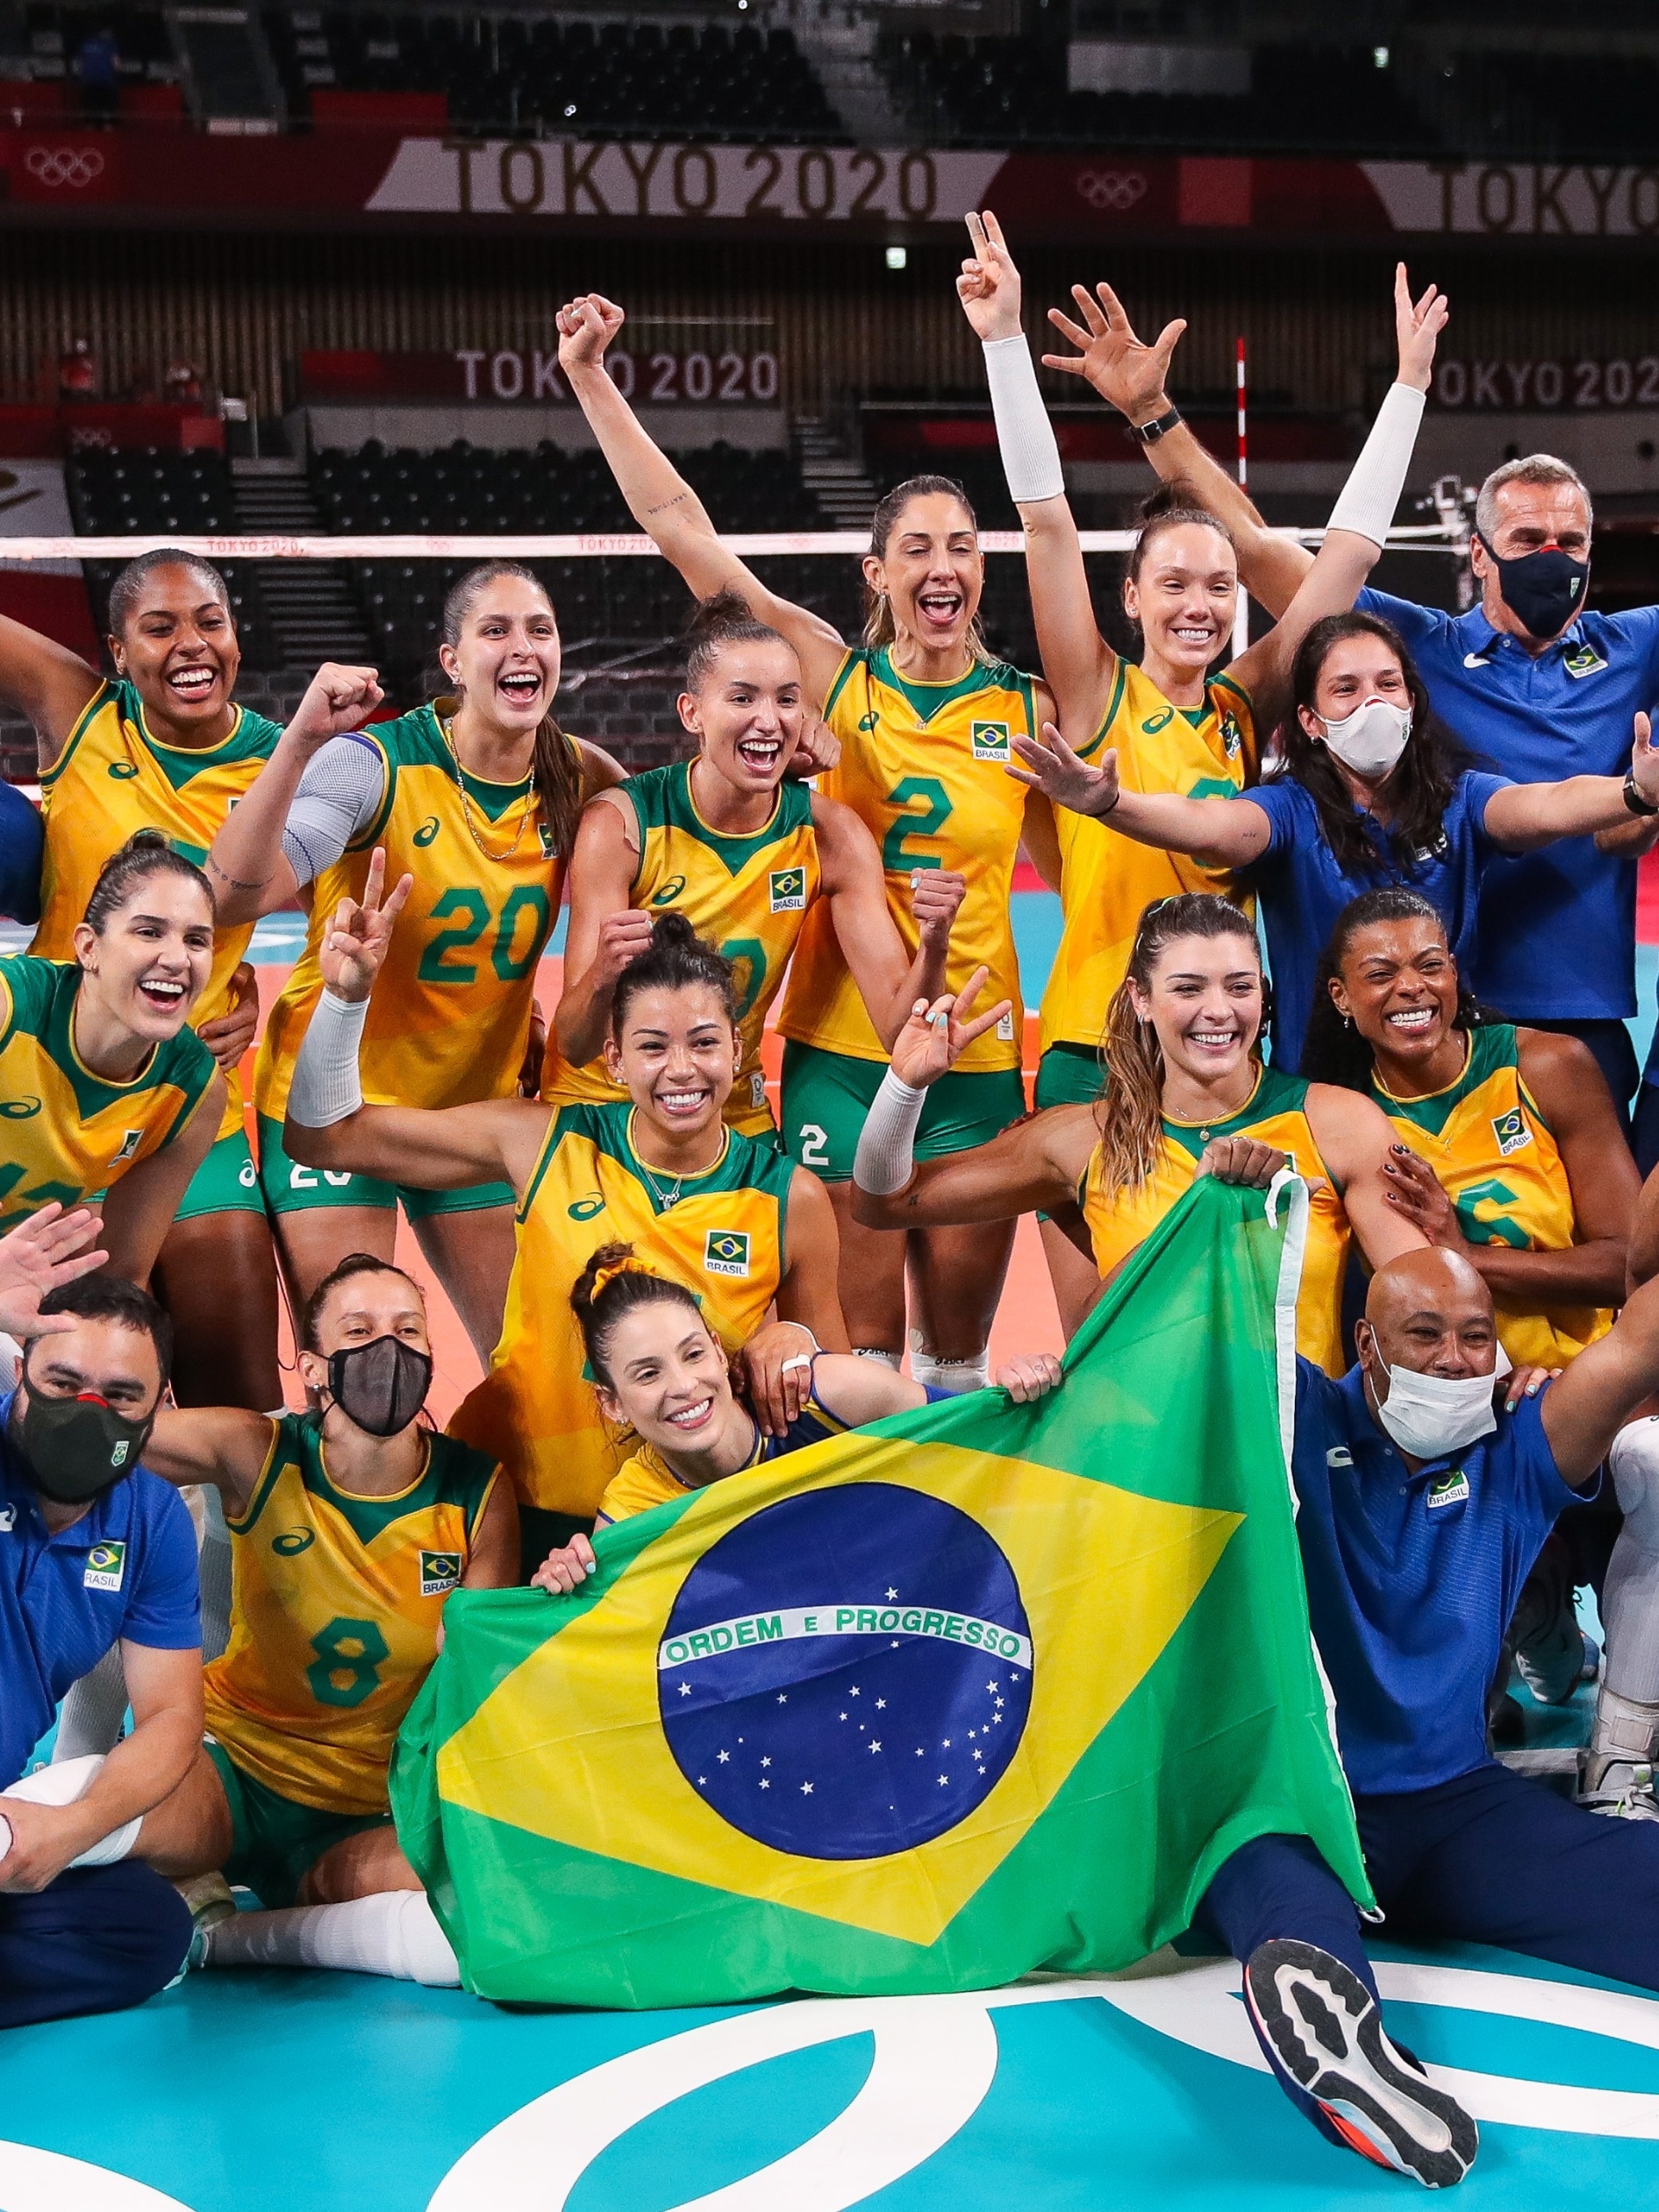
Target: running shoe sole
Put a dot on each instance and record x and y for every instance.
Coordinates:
(1323, 2025)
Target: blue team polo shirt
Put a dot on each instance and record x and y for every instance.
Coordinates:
(22, 848)
(1557, 926)
(1411, 1579)
(1303, 887)
(126, 1569)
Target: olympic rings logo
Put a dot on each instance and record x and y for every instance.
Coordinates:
(54, 165)
(1116, 190)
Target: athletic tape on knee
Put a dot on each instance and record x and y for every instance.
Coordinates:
(393, 1933)
(66, 1782)
(93, 1710)
(954, 1375)
(1030, 454)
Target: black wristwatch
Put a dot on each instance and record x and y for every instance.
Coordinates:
(1633, 799)
(1160, 426)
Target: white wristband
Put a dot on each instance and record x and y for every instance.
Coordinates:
(325, 1087)
(1367, 501)
(884, 1162)
(1030, 456)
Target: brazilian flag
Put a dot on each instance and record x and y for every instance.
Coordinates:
(978, 1689)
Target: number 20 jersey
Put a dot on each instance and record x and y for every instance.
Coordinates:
(450, 1021)
(924, 767)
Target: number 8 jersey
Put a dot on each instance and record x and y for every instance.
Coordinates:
(924, 767)
(449, 1022)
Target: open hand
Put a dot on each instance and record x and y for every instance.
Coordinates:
(1132, 377)
(936, 1037)
(1416, 330)
(230, 1034)
(1052, 767)
(989, 286)
(566, 1568)
(355, 943)
(587, 325)
(48, 1250)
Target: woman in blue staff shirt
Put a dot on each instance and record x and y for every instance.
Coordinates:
(1372, 789)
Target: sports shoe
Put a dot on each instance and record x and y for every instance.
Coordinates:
(1321, 2029)
(1553, 1655)
(1624, 1789)
(210, 1900)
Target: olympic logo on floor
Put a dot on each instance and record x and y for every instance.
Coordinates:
(54, 165)
(1116, 190)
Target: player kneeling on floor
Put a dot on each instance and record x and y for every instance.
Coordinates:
(349, 1527)
(94, 1551)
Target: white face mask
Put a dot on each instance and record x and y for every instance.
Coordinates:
(1430, 1416)
(1371, 739)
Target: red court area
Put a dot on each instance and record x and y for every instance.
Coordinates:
(1026, 1320)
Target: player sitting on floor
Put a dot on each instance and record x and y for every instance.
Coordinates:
(660, 1372)
(350, 1527)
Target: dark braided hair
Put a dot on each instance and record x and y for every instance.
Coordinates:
(1334, 1052)
(128, 587)
(676, 960)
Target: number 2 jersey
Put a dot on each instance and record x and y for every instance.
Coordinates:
(750, 896)
(334, 1610)
(924, 767)
(450, 1021)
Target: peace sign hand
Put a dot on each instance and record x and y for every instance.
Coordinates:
(355, 943)
(1129, 376)
(936, 1037)
(989, 286)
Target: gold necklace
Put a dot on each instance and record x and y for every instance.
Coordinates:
(528, 810)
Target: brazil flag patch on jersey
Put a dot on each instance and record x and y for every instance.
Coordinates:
(786, 890)
(726, 1251)
(440, 1573)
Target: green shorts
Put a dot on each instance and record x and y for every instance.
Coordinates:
(1069, 1075)
(291, 1188)
(226, 1182)
(827, 1095)
(275, 1842)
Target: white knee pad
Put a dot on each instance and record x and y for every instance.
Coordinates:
(1633, 1464)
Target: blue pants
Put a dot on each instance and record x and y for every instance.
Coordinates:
(97, 1940)
(1489, 1857)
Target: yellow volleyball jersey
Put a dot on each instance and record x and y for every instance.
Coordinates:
(1499, 1163)
(647, 1480)
(69, 1134)
(1108, 881)
(750, 896)
(721, 1233)
(923, 768)
(112, 778)
(449, 1022)
(1273, 1115)
(335, 1601)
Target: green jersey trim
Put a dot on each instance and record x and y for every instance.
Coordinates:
(1118, 683)
(1492, 1046)
(662, 799)
(926, 700)
(455, 1475)
(1275, 1093)
(183, 1060)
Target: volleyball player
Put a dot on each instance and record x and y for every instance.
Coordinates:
(476, 795)
(1175, 726)
(746, 856)
(164, 746)
(661, 1171)
(1185, 1095)
(925, 718)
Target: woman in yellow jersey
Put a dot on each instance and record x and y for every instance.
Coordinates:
(1509, 1150)
(105, 1087)
(746, 856)
(925, 721)
(478, 795)
(1175, 725)
(350, 1527)
(663, 1171)
(165, 747)
(1185, 1095)
(663, 1377)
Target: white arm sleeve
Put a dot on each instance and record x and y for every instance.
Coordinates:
(337, 800)
(883, 1163)
(1030, 456)
(1367, 501)
(325, 1087)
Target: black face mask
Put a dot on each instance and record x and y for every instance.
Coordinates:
(380, 1385)
(1543, 590)
(78, 1448)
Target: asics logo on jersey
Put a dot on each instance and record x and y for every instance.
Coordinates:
(726, 1251)
(670, 891)
(786, 890)
(989, 740)
(1156, 721)
(1510, 1132)
(105, 1564)
(19, 1109)
(440, 1573)
(123, 771)
(427, 830)
(585, 1209)
(870, 721)
(292, 1542)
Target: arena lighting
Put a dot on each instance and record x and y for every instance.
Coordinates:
(897, 257)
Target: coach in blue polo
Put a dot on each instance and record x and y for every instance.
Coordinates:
(1532, 682)
(94, 1551)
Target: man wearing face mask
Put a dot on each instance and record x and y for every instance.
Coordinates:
(1422, 1508)
(94, 1551)
(349, 1528)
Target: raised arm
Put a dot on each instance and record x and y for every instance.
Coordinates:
(251, 873)
(45, 681)
(1227, 833)
(1523, 816)
(1078, 663)
(224, 1446)
(606, 931)
(662, 502)
(1584, 1410)
(889, 980)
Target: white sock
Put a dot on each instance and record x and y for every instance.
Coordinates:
(63, 1783)
(954, 1375)
(93, 1710)
(893, 1360)
(394, 1932)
